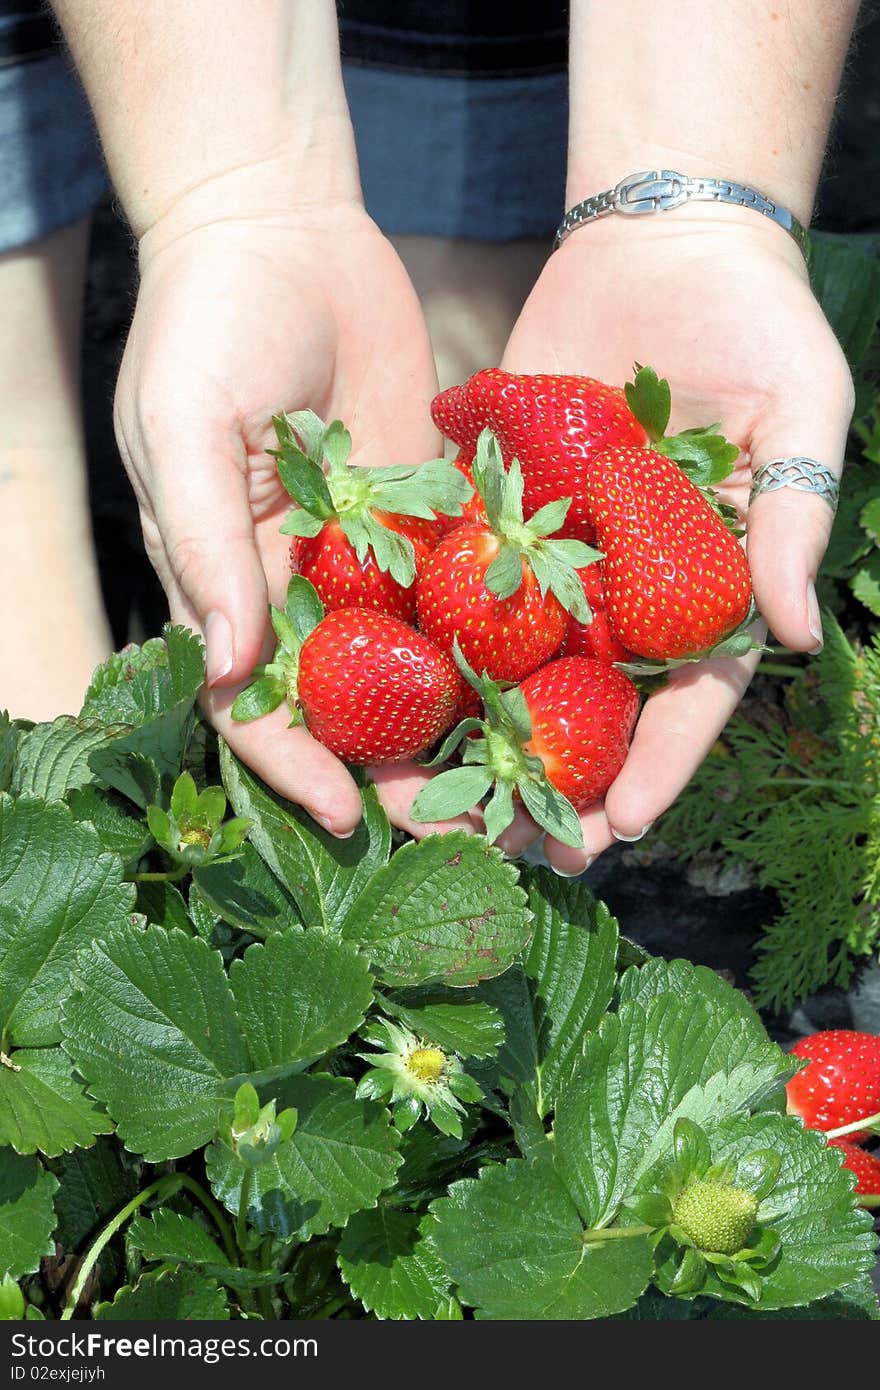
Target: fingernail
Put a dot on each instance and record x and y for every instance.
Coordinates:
(328, 826)
(631, 839)
(576, 873)
(218, 640)
(814, 619)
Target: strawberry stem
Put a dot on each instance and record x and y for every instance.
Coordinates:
(869, 1122)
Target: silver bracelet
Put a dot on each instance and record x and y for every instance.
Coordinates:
(658, 190)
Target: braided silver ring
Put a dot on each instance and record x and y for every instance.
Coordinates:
(803, 474)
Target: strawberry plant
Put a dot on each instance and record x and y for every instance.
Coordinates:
(248, 1070)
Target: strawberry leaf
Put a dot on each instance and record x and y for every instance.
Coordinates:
(303, 607)
(548, 519)
(505, 574)
(557, 575)
(304, 480)
(499, 811)
(704, 455)
(513, 703)
(649, 398)
(263, 696)
(435, 486)
(299, 522)
(337, 446)
(393, 553)
(551, 810)
(451, 793)
(27, 1218)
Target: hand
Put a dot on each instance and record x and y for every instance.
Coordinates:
(718, 301)
(235, 320)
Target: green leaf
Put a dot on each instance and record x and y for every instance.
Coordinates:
(703, 455)
(865, 584)
(552, 811)
(167, 1235)
(649, 398)
(95, 1184)
(855, 1302)
(645, 983)
(153, 689)
(547, 520)
(58, 889)
(11, 733)
(513, 1243)
(570, 966)
(505, 574)
(869, 519)
(452, 793)
(825, 1241)
(304, 481)
(846, 281)
(435, 486)
(27, 1217)
(180, 1295)
(388, 1265)
(151, 1025)
(43, 1104)
(323, 874)
(261, 697)
(447, 908)
(120, 830)
(163, 905)
(393, 553)
(54, 759)
(245, 893)
(11, 1300)
(554, 573)
(635, 1070)
(468, 1027)
(301, 523)
(342, 1154)
(297, 996)
(303, 608)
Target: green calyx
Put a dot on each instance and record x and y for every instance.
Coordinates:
(706, 1218)
(703, 454)
(312, 460)
(716, 1216)
(553, 562)
(277, 681)
(496, 763)
(193, 831)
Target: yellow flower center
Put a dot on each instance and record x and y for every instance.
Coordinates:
(426, 1063)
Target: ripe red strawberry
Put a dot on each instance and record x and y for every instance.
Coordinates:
(329, 562)
(676, 581)
(361, 534)
(583, 713)
(596, 639)
(552, 424)
(556, 742)
(866, 1168)
(372, 690)
(842, 1082)
(501, 590)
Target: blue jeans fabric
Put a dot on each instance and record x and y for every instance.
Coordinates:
(51, 172)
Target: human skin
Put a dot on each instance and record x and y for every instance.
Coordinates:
(264, 285)
(715, 297)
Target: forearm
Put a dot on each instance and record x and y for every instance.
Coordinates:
(742, 90)
(194, 96)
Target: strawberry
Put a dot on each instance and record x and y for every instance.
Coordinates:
(842, 1083)
(597, 638)
(865, 1167)
(501, 590)
(556, 742)
(717, 1217)
(370, 688)
(676, 580)
(373, 690)
(329, 562)
(552, 424)
(361, 535)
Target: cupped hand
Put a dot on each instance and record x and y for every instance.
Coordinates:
(718, 301)
(235, 320)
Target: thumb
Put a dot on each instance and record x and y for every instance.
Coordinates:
(789, 527)
(207, 559)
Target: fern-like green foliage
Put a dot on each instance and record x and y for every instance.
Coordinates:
(801, 803)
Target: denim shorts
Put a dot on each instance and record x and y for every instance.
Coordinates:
(449, 144)
(51, 172)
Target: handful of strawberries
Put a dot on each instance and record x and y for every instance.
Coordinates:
(507, 596)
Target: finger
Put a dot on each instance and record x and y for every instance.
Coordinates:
(203, 532)
(678, 726)
(521, 833)
(569, 862)
(788, 530)
(293, 763)
(398, 785)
